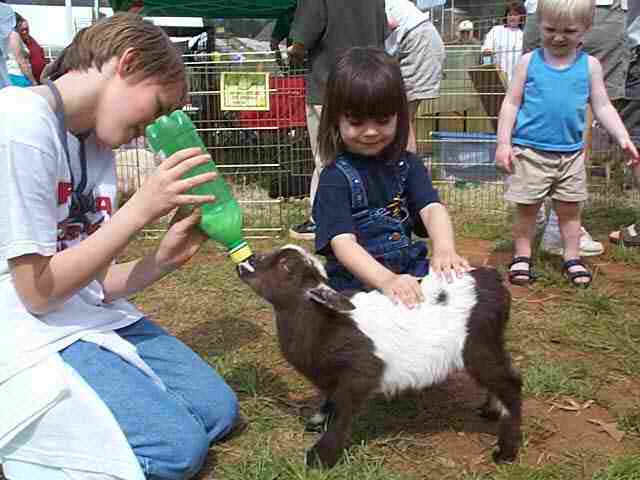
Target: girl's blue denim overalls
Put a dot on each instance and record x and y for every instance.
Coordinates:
(383, 232)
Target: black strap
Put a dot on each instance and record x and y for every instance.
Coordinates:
(62, 133)
(80, 203)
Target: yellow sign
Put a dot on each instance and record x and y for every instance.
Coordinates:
(244, 91)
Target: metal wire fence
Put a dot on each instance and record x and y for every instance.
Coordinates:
(266, 157)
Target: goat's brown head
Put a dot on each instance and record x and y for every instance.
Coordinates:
(289, 274)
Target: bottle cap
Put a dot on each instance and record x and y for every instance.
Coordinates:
(240, 253)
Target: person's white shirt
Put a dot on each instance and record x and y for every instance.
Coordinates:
(37, 390)
(506, 45)
(7, 24)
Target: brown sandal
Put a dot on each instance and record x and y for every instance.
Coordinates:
(628, 236)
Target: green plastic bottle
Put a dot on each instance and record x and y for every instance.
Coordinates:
(222, 219)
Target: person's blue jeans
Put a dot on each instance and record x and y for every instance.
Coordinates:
(169, 431)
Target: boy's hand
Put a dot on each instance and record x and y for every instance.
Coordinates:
(405, 289)
(181, 242)
(630, 149)
(444, 263)
(166, 189)
(504, 158)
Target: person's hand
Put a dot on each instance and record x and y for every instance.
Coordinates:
(635, 168)
(630, 149)
(165, 189)
(504, 158)
(181, 241)
(445, 263)
(405, 289)
(295, 53)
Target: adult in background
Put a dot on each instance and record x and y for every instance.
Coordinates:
(36, 52)
(18, 59)
(280, 32)
(465, 34)
(605, 41)
(504, 42)
(323, 29)
(420, 51)
(7, 23)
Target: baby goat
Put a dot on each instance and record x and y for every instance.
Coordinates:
(352, 348)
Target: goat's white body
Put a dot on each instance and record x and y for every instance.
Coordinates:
(419, 346)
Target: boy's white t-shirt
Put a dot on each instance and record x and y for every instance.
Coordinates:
(34, 211)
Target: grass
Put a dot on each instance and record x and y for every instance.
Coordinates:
(552, 378)
(568, 344)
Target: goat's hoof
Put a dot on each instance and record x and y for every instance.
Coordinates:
(489, 413)
(508, 456)
(312, 459)
(318, 422)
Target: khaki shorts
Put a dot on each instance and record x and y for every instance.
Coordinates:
(538, 174)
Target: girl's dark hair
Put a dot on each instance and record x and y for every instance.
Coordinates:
(517, 7)
(111, 37)
(364, 83)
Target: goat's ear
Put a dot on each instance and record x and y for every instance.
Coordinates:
(328, 297)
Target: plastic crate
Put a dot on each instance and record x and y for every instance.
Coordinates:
(465, 156)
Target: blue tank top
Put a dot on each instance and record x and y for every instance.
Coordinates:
(554, 103)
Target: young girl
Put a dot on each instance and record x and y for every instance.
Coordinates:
(373, 194)
(90, 387)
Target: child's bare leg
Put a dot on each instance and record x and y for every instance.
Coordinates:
(523, 232)
(569, 221)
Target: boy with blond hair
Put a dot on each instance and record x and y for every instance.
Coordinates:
(540, 132)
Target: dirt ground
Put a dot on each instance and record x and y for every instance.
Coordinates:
(438, 430)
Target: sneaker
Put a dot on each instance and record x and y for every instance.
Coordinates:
(588, 246)
(304, 231)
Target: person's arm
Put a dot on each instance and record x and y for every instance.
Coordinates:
(44, 283)
(179, 244)
(308, 26)
(508, 113)
(606, 114)
(487, 45)
(399, 288)
(444, 258)
(15, 44)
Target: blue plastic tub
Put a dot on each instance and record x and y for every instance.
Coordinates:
(465, 156)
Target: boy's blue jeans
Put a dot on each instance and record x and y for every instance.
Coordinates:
(169, 431)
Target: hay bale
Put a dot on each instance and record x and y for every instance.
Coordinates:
(132, 167)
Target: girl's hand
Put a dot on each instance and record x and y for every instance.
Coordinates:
(181, 242)
(504, 158)
(443, 263)
(165, 189)
(404, 289)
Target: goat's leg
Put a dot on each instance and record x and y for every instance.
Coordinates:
(492, 408)
(495, 372)
(349, 398)
(319, 421)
